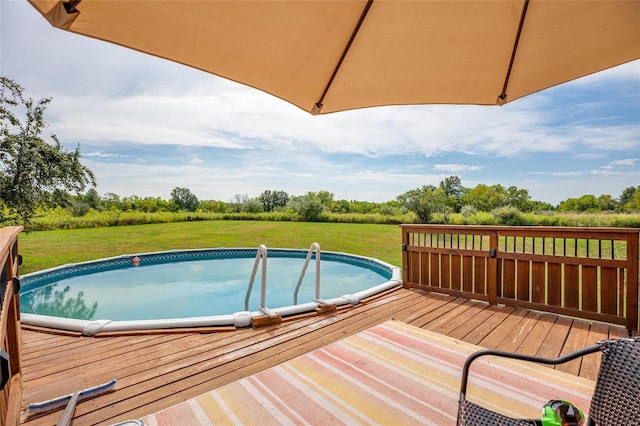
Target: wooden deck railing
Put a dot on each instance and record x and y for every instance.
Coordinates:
(589, 273)
(10, 361)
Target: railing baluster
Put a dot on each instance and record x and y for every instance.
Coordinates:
(599, 249)
(613, 250)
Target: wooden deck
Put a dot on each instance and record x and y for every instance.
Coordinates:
(155, 371)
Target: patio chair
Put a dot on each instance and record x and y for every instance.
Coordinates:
(616, 398)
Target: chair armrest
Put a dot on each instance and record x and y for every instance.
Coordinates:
(531, 358)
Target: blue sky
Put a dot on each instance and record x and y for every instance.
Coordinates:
(146, 126)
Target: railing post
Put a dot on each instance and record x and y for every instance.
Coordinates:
(405, 256)
(633, 321)
(492, 268)
(10, 333)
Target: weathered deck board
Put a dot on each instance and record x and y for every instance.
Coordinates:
(160, 370)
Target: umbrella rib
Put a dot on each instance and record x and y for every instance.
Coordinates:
(70, 6)
(502, 99)
(318, 105)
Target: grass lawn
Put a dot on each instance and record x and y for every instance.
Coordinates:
(46, 249)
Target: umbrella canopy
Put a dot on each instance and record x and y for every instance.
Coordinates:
(334, 55)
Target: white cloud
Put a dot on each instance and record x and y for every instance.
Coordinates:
(610, 138)
(615, 168)
(456, 167)
(589, 155)
(99, 154)
(632, 176)
(558, 174)
(621, 163)
(196, 160)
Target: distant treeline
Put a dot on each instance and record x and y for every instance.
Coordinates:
(60, 218)
(449, 193)
(449, 202)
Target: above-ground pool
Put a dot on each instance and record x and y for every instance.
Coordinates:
(195, 288)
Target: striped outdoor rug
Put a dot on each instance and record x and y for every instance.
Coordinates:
(390, 374)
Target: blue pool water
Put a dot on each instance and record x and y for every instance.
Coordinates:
(193, 283)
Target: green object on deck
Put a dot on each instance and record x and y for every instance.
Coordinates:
(558, 412)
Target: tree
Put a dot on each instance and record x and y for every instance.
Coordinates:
(634, 202)
(92, 198)
(238, 201)
(485, 198)
(242, 203)
(341, 206)
(452, 186)
(157, 204)
(453, 190)
(539, 206)
(111, 201)
(272, 200)
(606, 202)
(570, 204)
(213, 206)
(31, 169)
(627, 195)
(325, 197)
(60, 197)
(519, 198)
(587, 202)
(184, 199)
(309, 207)
(252, 205)
(424, 202)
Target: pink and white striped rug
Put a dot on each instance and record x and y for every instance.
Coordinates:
(390, 374)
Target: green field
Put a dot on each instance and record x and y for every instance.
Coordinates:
(46, 249)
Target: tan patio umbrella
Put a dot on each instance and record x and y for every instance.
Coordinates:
(327, 56)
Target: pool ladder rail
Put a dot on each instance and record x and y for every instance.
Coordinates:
(268, 316)
(323, 305)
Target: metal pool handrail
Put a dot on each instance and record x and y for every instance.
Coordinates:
(314, 248)
(261, 256)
